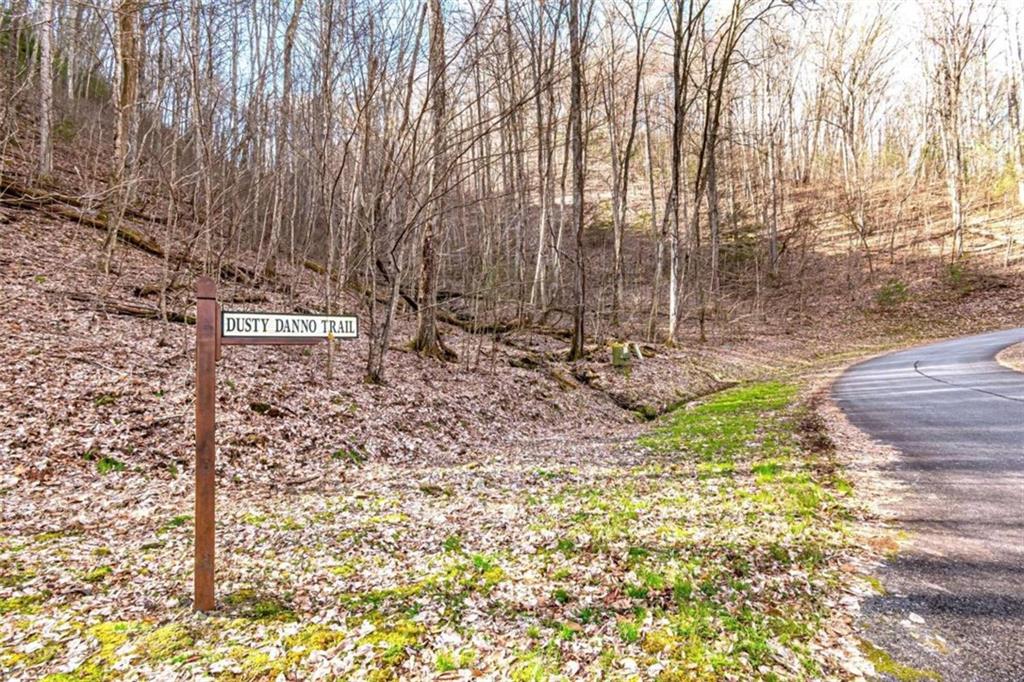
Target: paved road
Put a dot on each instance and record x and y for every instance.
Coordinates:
(957, 417)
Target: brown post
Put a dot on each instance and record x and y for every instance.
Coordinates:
(206, 402)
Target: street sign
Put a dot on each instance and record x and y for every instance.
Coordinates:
(216, 328)
(243, 325)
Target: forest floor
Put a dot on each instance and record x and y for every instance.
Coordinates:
(500, 517)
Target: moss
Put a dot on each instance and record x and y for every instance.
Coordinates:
(659, 641)
(723, 426)
(349, 456)
(255, 605)
(164, 642)
(345, 570)
(876, 584)
(105, 399)
(388, 519)
(314, 638)
(452, 543)
(394, 641)
(104, 463)
(628, 631)
(24, 604)
(12, 574)
(254, 664)
(111, 637)
(447, 661)
(97, 574)
(887, 665)
(16, 659)
(534, 666)
(177, 522)
(54, 535)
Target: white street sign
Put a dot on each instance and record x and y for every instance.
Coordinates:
(235, 324)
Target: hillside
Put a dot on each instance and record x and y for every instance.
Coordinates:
(97, 435)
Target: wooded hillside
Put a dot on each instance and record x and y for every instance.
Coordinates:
(640, 170)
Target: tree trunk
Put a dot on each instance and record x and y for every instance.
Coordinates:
(45, 86)
(576, 352)
(126, 92)
(428, 341)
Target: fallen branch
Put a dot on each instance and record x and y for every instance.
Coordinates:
(62, 206)
(130, 308)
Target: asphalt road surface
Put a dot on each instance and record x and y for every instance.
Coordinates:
(954, 601)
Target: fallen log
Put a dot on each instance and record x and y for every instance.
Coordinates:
(55, 204)
(109, 304)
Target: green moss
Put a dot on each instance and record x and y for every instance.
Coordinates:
(24, 604)
(17, 659)
(54, 535)
(723, 426)
(628, 631)
(447, 661)
(345, 570)
(452, 543)
(349, 455)
(111, 637)
(164, 642)
(254, 663)
(887, 665)
(535, 666)
(891, 294)
(395, 641)
(255, 605)
(104, 463)
(105, 399)
(659, 642)
(309, 639)
(875, 583)
(177, 522)
(12, 574)
(97, 574)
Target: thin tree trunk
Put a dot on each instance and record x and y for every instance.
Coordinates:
(427, 339)
(45, 86)
(576, 352)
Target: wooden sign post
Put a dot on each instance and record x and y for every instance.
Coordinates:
(216, 328)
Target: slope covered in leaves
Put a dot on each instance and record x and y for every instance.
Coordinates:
(496, 515)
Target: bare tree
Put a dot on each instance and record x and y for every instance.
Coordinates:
(125, 93)
(428, 341)
(957, 33)
(577, 351)
(45, 86)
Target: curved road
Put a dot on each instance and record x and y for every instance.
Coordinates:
(954, 601)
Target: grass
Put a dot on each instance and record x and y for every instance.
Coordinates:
(104, 463)
(887, 665)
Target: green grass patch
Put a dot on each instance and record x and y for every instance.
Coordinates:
(887, 665)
